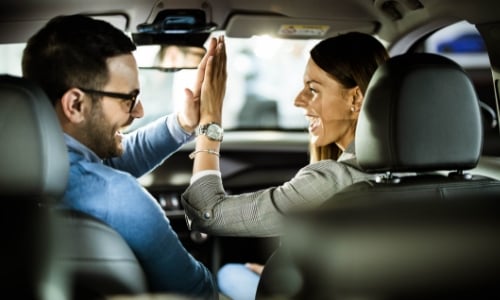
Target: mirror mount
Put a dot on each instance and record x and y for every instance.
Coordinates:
(182, 27)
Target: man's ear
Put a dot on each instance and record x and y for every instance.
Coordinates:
(73, 105)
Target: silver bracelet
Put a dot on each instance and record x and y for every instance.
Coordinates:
(209, 151)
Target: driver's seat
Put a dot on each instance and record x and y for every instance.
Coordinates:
(52, 255)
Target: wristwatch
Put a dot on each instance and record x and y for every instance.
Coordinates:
(212, 130)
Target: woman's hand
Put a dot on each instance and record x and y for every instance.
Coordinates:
(189, 116)
(213, 88)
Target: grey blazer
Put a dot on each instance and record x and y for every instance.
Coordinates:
(259, 214)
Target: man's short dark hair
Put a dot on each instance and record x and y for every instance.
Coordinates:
(71, 51)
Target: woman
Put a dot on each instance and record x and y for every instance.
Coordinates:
(335, 81)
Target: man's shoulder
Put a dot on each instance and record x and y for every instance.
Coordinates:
(93, 171)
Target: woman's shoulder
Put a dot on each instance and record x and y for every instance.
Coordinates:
(338, 170)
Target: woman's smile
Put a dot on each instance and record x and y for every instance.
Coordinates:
(314, 124)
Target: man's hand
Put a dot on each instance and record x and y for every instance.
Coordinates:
(256, 268)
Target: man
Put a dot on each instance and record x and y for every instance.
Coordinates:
(87, 69)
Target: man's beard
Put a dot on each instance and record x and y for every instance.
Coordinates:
(100, 136)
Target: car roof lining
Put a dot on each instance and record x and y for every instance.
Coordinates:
(244, 25)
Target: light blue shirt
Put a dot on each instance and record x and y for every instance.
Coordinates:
(109, 190)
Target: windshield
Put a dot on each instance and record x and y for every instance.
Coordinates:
(264, 76)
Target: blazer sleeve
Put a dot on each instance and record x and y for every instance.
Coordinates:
(260, 214)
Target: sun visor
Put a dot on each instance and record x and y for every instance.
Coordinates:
(247, 25)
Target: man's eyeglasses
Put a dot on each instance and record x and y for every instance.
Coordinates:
(132, 96)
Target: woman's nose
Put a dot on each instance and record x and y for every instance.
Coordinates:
(301, 100)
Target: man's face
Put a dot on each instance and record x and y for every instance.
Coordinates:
(109, 115)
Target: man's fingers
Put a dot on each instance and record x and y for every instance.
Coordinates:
(257, 268)
(189, 95)
(201, 67)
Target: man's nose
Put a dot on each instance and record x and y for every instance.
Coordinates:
(138, 111)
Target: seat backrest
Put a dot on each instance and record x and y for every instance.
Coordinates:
(33, 169)
(96, 260)
(47, 254)
(421, 113)
(424, 229)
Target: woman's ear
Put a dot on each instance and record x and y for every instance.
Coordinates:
(357, 98)
(73, 105)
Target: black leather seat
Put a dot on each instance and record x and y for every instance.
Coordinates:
(95, 259)
(425, 229)
(50, 254)
(33, 169)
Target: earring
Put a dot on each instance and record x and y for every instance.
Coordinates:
(353, 108)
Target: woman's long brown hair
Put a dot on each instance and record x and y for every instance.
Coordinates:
(350, 59)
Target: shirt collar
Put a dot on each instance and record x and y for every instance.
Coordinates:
(348, 153)
(78, 148)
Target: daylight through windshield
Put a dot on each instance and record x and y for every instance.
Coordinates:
(264, 76)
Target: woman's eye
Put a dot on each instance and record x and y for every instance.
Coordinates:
(312, 90)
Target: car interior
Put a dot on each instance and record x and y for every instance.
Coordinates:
(427, 228)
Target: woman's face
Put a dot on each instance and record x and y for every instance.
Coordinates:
(331, 109)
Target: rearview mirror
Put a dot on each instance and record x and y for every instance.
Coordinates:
(169, 58)
(173, 40)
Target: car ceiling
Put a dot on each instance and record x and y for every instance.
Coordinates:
(398, 22)
(388, 18)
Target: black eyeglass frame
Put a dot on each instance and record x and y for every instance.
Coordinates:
(132, 96)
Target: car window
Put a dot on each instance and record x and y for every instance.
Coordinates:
(460, 42)
(11, 58)
(264, 76)
(463, 43)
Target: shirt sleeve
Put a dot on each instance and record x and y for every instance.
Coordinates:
(260, 213)
(200, 174)
(149, 146)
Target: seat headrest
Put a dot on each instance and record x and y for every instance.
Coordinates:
(33, 156)
(420, 113)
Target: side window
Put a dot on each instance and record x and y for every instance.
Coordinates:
(462, 43)
(11, 59)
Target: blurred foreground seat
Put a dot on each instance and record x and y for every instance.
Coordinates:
(427, 229)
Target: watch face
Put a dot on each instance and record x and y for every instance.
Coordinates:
(214, 131)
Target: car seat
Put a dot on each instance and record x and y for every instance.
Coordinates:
(50, 254)
(33, 169)
(426, 228)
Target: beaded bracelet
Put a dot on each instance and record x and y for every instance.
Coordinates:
(210, 151)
